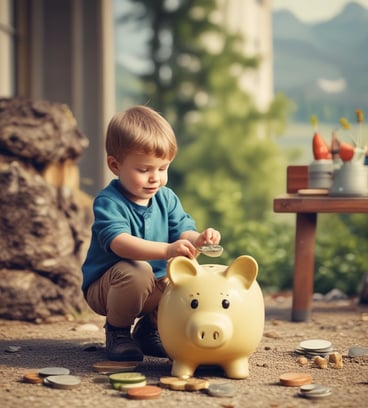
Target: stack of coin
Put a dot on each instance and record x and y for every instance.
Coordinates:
(314, 391)
(64, 382)
(315, 347)
(55, 377)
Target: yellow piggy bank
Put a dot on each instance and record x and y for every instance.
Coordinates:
(211, 315)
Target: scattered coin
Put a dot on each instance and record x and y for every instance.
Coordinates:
(65, 382)
(128, 386)
(315, 345)
(110, 367)
(129, 377)
(314, 391)
(146, 392)
(178, 385)
(221, 390)
(47, 371)
(117, 380)
(184, 384)
(357, 351)
(32, 378)
(166, 382)
(295, 379)
(196, 384)
(307, 387)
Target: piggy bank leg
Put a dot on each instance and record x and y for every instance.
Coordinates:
(182, 369)
(237, 369)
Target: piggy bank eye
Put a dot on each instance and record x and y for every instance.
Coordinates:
(225, 304)
(194, 304)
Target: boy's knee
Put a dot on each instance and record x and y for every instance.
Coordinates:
(137, 273)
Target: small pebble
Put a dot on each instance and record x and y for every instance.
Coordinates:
(12, 349)
(302, 361)
(273, 334)
(336, 360)
(320, 362)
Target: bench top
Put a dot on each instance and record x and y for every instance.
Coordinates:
(297, 179)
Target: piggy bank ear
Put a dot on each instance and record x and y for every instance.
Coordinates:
(180, 269)
(244, 268)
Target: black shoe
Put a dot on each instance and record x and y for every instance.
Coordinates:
(148, 339)
(120, 346)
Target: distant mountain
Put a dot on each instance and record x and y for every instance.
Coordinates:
(323, 67)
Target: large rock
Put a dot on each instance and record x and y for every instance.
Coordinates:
(39, 131)
(43, 225)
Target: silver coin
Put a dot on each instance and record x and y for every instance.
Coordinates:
(314, 395)
(315, 345)
(314, 391)
(211, 250)
(63, 381)
(221, 390)
(45, 372)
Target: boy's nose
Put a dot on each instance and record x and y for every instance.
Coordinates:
(154, 177)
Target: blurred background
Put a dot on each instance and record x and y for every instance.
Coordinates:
(237, 79)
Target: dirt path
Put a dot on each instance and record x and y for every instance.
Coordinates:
(78, 344)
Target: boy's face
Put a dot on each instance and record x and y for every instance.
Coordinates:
(140, 175)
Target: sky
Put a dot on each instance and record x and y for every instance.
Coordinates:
(314, 10)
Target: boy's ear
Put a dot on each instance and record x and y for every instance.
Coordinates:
(113, 165)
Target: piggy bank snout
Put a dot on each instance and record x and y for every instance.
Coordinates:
(209, 331)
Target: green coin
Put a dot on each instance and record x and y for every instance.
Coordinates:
(127, 377)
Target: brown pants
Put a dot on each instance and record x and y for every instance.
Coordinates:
(126, 291)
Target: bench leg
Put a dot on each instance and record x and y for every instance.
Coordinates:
(303, 281)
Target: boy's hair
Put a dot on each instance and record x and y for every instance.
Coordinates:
(140, 129)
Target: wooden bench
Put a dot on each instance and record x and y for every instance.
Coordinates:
(306, 209)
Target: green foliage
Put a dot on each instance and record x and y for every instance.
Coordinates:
(341, 250)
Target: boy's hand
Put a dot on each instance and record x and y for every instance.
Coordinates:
(208, 236)
(181, 247)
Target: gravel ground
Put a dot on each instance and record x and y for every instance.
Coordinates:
(79, 343)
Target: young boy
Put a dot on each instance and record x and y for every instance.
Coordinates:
(139, 224)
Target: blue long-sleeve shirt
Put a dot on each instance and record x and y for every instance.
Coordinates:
(163, 220)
